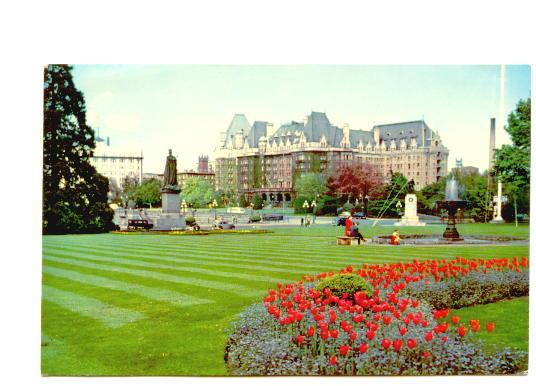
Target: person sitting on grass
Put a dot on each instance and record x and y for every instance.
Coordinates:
(395, 238)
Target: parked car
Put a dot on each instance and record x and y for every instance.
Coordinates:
(225, 225)
(360, 215)
(272, 217)
(339, 221)
(144, 224)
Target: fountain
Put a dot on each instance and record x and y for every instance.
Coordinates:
(451, 203)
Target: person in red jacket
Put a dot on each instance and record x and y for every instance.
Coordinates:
(348, 224)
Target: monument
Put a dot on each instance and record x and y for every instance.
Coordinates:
(410, 217)
(171, 217)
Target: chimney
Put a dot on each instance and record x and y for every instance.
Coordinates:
(491, 142)
(107, 141)
(269, 130)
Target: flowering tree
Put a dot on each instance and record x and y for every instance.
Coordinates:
(359, 179)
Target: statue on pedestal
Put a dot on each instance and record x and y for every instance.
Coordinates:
(170, 175)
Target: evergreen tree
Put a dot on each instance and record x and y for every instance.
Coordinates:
(243, 202)
(256, 202)
(74, 194)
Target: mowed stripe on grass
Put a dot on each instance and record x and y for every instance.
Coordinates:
(111, 316)
(179, 340)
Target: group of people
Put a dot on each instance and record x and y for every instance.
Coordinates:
(351, 230)
(306, 222)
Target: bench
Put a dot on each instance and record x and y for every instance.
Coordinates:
(346, 240)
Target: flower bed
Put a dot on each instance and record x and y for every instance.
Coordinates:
(299, 330)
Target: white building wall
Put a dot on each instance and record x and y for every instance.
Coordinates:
(117, 164)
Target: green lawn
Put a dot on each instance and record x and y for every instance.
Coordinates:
(509, 332)
(159, 305)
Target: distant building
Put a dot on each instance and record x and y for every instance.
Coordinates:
(203, 164)
(463, 170)
(258, 159)
(117, 163)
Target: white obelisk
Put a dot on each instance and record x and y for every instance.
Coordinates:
(498, 218)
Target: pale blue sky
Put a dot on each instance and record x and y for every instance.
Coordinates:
(156, 107)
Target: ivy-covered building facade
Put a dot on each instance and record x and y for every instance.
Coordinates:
(258, 159)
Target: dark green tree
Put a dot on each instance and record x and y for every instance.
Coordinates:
(243, 203)
(75, 196)
(512, 162)
(256, 202)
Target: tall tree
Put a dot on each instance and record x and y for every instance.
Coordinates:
(512, 162)
(74, 194)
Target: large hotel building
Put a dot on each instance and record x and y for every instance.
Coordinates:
(258, 159)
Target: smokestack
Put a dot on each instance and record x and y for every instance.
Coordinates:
(491, 143)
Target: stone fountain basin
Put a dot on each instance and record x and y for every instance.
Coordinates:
(431, 239)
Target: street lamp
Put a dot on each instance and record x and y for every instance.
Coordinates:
(214, 205)
(398, 206)
(184, 206)
(313, 206)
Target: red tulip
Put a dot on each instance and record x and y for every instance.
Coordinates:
(353, 335)
(490, 326)
(403, 330)
(324, 334)
(426, 354)
(475, 326)
(429, 336)
(455, 319)
(344, 350)
(462, 330)
(386, 343)
(370, 334)
(424, 323)
(412, 343)
(334, 333)
(444, 338)
(300, 339)
(386, 320)
(397, 344)
(310, 331)
(363, 347)
(358, 318)
(333, 360)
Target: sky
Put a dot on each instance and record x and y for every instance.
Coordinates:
(154, 108)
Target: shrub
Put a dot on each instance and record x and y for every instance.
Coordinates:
(190, 220)
(471, 289)
(345, 283)
(255, 218)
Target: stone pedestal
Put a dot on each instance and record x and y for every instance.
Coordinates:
(410, 217)
(171, 202)
(170, 217)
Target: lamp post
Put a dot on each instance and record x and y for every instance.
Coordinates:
(184, 206)
(313, 206)
(306, 207)
(214, 205)
(398, 206)
(365, 204)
